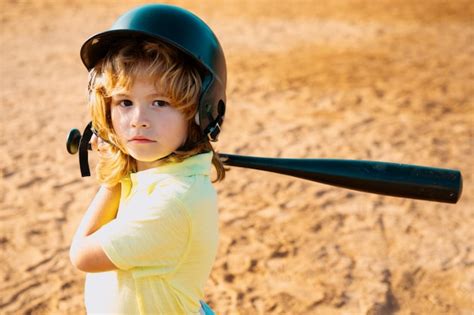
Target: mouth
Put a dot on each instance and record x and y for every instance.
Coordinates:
(140, 139)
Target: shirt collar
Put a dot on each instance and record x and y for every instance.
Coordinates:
(199, 164)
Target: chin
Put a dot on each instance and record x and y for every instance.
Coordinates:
(147, 157)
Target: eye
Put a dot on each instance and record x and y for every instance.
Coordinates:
(160, 103)
(125, 103)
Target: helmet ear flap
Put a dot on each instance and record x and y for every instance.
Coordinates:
(221, 108)
(211, 107)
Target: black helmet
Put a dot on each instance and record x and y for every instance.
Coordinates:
(187, 33)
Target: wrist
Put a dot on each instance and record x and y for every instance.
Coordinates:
(111, 188)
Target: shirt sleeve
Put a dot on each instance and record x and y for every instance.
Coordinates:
(158, 238)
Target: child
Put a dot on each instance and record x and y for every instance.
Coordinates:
(157, 97)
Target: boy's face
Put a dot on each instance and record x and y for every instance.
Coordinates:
(146, 124)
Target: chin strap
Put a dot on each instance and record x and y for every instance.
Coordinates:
(83, 150)
(214, 128)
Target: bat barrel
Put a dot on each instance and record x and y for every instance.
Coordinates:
(392, 179)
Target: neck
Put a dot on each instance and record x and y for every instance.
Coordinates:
(141, 166)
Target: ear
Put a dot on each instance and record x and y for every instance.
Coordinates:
(196, 119)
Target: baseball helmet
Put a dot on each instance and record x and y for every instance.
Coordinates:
(184, 31)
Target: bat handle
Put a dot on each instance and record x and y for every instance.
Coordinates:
(76, 142)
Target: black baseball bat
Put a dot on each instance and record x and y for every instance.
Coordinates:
(384, 178)
(392, 179)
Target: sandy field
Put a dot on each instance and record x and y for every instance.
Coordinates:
(388, 80)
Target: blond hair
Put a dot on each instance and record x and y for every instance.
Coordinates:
(170, 70)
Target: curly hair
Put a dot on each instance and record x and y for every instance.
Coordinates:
(171, 70)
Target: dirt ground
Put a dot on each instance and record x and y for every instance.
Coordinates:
(388, 80)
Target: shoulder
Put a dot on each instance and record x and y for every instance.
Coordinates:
(183, 187)
(185, 190)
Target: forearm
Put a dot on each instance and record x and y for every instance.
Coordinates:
(86, 253)
(102, 210)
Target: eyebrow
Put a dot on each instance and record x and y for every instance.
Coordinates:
(118, 95)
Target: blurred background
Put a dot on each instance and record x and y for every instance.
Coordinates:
(389, 80)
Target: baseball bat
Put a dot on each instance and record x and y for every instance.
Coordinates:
(384, 178)
(392, 179)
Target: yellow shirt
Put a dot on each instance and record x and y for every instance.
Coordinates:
(164, 242)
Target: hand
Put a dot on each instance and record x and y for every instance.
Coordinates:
(99, 145)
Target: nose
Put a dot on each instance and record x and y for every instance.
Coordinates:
(140, 119)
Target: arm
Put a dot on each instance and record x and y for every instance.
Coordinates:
(86, 254)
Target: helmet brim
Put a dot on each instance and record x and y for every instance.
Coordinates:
(97, 46)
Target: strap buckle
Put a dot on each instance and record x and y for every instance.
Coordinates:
(214, 132)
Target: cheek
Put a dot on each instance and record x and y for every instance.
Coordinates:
(180, 128)
(118, 122)
(184, 131)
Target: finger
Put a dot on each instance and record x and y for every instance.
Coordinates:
(94, 143)
(102, 145)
